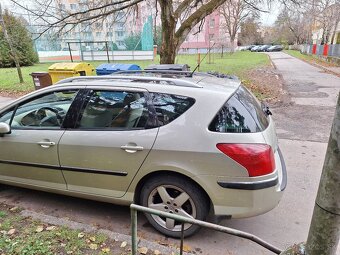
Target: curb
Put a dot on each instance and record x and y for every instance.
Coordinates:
(88, 228)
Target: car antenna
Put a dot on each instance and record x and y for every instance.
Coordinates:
(198, 65)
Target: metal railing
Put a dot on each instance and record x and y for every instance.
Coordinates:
(135, 208)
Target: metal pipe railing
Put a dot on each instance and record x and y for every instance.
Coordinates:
(134, 208)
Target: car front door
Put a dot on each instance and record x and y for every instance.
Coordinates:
(29, 154)
(111, 139)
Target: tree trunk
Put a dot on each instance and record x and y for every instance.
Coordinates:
(232, 42)
(324, 232)
(169, 42)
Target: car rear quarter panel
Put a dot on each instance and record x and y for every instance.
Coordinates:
(186, 146)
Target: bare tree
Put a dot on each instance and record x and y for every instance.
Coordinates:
(292, 26)
(234, 12)
(327, 12)
(177, 17)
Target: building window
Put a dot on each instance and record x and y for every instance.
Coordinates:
(109, 34)
(120, 43)
(73, 6)
(212, 23)
(211, 37)
(98, 34)
(120, 33)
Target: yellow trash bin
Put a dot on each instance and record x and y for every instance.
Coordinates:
(60, 71)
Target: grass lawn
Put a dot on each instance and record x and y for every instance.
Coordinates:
(238, 64)
(24, 236)
(298, 54)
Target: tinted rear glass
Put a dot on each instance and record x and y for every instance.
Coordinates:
(169, 107)
(242, 113)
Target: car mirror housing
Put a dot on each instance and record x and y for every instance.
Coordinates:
(4, 128)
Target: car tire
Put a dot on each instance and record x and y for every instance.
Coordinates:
(176, 195)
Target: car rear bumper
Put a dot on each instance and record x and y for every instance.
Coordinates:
(251, 197)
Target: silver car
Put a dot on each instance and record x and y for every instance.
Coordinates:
(180, 143)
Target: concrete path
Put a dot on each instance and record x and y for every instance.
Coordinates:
(303, 127)
(4, 101)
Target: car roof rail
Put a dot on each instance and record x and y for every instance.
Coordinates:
(187, 74)
(157, 80)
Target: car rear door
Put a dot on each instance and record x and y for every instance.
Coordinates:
(29, 154)
(112, 137)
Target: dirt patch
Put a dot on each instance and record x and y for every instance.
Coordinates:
(267, 84)
(13, 94)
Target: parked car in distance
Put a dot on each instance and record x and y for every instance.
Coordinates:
(255, 48)
(183, 143)
(275, 48)
(263, 48)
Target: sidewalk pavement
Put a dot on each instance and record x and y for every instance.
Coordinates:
(5, 100)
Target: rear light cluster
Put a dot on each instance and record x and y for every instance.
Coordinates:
(258, 159)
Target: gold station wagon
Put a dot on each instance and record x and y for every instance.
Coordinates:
(180, 143)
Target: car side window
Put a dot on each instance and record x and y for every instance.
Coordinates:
(6, 116)
(169, 107)
(46, 111)
(115, 109)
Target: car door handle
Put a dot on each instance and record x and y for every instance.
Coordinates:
(46, 144)
(131, 148)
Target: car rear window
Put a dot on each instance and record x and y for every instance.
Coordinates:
(169, 107)
(242, 113)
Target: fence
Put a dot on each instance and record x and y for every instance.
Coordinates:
(134, 208)
(326, 50)
(91, 55)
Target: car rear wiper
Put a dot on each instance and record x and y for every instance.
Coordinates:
(265, 109)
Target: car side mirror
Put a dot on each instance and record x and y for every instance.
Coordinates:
(4, 129)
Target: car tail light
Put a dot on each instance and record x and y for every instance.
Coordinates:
(258, 159)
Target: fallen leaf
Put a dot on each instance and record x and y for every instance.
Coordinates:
(123, 244)
(62, 244)
(143, 250)
(92, 238)
(50, 228)
(93, 246)
(157, 252)
(39, 229)
(69, 252)
(81, 235)
(11, 231)
(14, 209)
(186, 248)
(106, 250)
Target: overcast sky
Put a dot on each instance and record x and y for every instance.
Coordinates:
(268, 19)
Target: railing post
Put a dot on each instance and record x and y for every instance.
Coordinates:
(134, 231)
(182, 239)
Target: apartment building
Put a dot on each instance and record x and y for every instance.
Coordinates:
(111, 29)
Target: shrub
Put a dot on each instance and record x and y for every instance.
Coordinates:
(22, 43)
